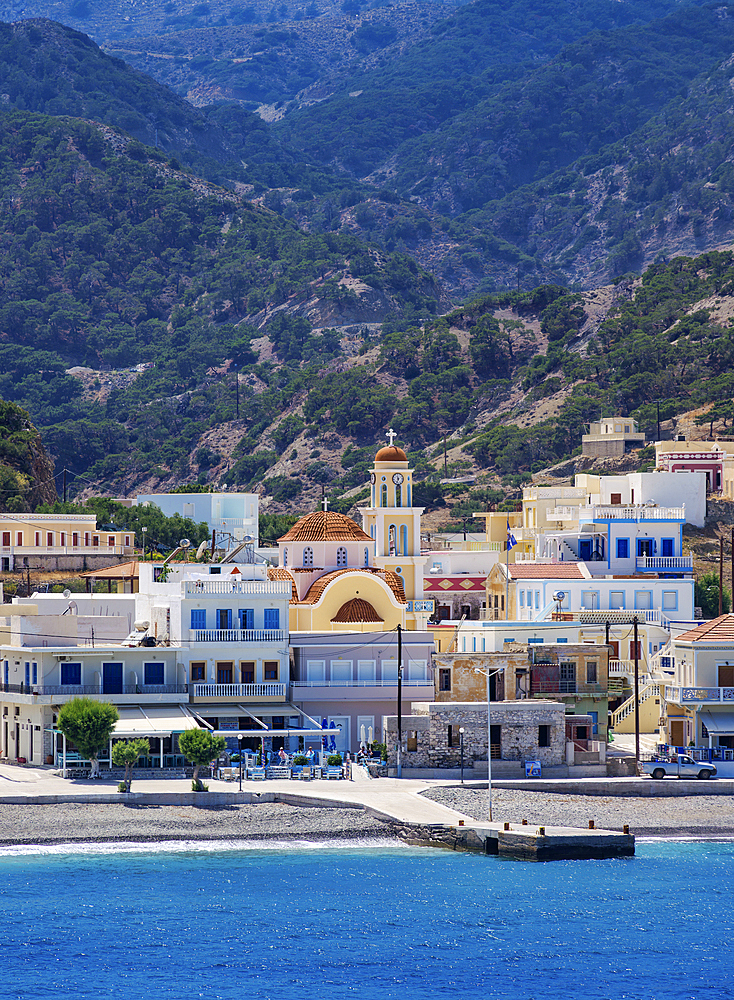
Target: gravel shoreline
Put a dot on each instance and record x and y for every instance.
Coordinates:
(65, 823)
(703, 816)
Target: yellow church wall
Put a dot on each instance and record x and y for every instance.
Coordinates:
(317, 617)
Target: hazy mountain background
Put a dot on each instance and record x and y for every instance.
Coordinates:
(238, 242)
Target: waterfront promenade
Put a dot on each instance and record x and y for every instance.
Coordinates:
(398, 804)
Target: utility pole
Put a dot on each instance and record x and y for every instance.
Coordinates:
(445, 460)
(637, 693)
(400, 700)
(64, 485)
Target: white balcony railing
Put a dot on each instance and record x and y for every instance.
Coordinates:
(664, 562)
(699, 695)
(66, 550)
(553, 493)
(239, 635)
(386, 682)
(270, 689)
(620, 668)
(563, 514)
(631, 512)
(218, 588)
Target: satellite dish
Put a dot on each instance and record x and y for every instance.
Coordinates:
(66, 594)
(558, 595)
(202, 548)
(185, 543)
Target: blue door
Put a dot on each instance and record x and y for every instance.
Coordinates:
(594, 722)
(667, 546)
(585, 549)
(112, 678)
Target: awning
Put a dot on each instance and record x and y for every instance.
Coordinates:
(156, 720)
(718, 722)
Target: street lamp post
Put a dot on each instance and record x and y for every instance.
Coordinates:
(488, 674)
(144, 531)
(461, 751)
(239, 745)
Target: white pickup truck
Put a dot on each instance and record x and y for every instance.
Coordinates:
(678, 766)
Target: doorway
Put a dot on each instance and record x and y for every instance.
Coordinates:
(112, 678)
(340, 734)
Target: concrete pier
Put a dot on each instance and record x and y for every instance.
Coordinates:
(524, 843)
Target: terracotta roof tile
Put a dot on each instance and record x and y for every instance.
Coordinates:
(123, 571)
(717, 630)
(356, 611)
(544, 571)
(325, 526)
(278, 573)
(317, 588)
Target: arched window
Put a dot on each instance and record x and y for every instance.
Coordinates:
(407, 493)
(285, 557)
(384, 495)
(372, 530)
(341, 556)
(308, 556)
(393, 540)
(398, 496)
(366, 557)
(404, 540)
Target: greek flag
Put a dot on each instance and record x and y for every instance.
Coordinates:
(511, 540)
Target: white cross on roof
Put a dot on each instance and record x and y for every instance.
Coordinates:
(391, 435)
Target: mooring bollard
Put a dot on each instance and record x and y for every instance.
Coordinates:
(541, 831)
(626, 828)
(591, 824)
(507, 826)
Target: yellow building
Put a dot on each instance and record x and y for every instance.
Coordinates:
(345, 578)
(336, 584)
(59, 542)
(394, 524)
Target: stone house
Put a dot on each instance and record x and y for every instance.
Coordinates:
(520, 730)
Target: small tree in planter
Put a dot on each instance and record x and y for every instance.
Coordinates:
(128, 753)
(334, 760)
(89, 725)
(200, 748)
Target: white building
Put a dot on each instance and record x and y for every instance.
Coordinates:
(234, 514)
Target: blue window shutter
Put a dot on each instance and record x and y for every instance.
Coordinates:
(198, 618)
(272, 618)
(153, 673)
(71, 673)
(247, 618)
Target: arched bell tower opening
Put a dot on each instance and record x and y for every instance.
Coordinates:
(392, 520)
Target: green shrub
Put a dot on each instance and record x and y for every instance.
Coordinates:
(334, 760)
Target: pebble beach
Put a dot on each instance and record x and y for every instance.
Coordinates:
(81, 822)
(703, 816)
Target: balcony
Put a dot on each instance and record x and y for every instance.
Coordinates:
(252, 588)
(699, 695)
(127, 694)
(563, 514)
(541, 686)
(243, 692)
(240, 635)
(89, 689)
(386, 682)
(554, 493)
(665, 564)
(631, 512)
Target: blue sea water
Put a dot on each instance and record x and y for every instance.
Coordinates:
(387, 922)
